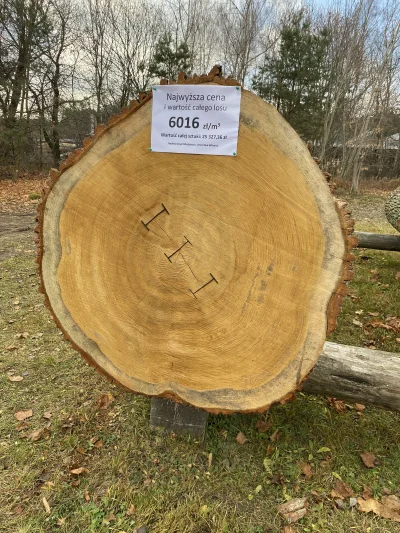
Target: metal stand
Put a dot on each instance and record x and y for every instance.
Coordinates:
(178, 418)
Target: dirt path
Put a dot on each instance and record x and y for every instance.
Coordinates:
(16, 234)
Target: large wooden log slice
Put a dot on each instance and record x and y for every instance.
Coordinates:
(234, 320)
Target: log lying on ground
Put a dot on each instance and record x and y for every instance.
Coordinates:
(358, 375)
(212, 280)
(378, 241)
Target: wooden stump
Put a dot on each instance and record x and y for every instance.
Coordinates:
(206, 279)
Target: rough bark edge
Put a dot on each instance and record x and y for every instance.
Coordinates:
(335, 303)
(214, 76)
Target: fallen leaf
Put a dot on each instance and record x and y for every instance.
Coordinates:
(270, 449)
(240, 438)
(375, 275)
(375, 313)
(389, 508)
(359, 406)
(210, 458)
(147, 482)
(11, 347)
(98, 444)
(15, 378)
(307, 470)
(76, 483)
(394, 323)
(131, 510)
(397, 276)
(359, 312)
(275, 436)
(36, 435)
(379, 324)
(105, 401)
(398, 339)
(293, 505)
(86, 495)
(293, 510)
(263, 426)
(47, 415)
(80, 450)
(22, 415)
(340, 503)
(338, 405)
(342, 490)
(46, 504)
(367, 492)
(288, 529)
(368, 458)
(357, 323)
(386, 491)
(60, 522)
(79, 471)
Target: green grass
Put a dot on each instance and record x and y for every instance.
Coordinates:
(167, 478)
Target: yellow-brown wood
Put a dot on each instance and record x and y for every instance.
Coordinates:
(223, 299)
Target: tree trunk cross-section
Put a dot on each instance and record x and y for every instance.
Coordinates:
(207, 279)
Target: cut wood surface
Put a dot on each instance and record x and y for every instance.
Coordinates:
(357, 374)
(378, 241)
(207, 279)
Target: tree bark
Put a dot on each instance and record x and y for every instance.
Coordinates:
(358, 375)
(377, 241)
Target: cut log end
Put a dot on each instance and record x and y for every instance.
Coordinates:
(206, 279)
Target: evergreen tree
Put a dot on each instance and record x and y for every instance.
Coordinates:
(169, 60)
(296, 79)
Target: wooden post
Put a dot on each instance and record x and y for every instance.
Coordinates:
(178, 418)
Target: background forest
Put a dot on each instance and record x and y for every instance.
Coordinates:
(331, 69)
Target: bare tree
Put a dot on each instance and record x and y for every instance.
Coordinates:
(136, 28)
(97, 45)
(52, 71)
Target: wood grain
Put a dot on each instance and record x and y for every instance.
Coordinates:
(236, 318)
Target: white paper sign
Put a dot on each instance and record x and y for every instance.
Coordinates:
(195, 119)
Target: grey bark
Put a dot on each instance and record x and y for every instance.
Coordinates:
(357, 374)
(377, 241)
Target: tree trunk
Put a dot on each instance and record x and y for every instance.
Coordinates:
(377, 241)
(358, 375)
(208, 279)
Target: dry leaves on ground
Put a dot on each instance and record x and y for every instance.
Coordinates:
(46, 505)
(262, 426)
(293, 510)
(342, 490)
(240, 438)
(307, 470)
(368, 458)
(276, 435)
(15, 378)
(23, 415)
(388, 508)
(338, 405)
(367, 492)
(105, 400)
(288, 529)
(14, 196)
(37, 434)
(79, 471)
